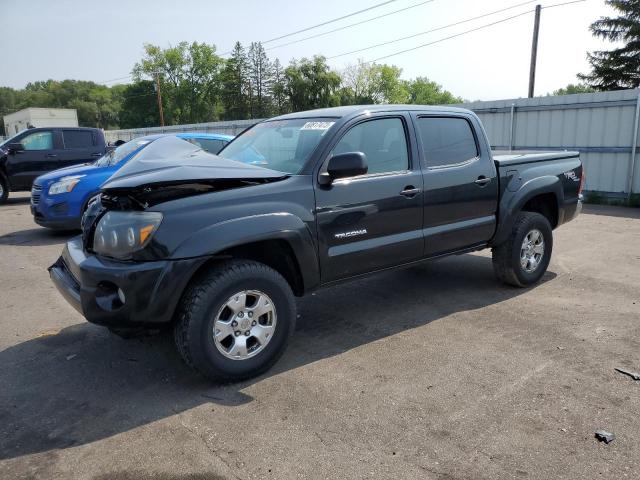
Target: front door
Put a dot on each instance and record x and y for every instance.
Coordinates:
(461, 186)
(39, 152)
(372, 221)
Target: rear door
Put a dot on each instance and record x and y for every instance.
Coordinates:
(372, 221)
(80, 146)
(460, 181)
(40, 150)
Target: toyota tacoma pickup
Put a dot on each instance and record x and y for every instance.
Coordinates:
(218, 247)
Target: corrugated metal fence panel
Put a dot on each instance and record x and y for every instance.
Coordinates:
(599, 125)
(227, 128)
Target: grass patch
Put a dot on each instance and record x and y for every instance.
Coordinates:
(597, 198)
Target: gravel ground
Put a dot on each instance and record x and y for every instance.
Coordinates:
(431, 372)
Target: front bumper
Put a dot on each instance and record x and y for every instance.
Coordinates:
(66, 223)
(96, 287)
(55, 213)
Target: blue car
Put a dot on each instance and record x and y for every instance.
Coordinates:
(59, 198)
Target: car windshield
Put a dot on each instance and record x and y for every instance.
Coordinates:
(282, 145)
(118, 154)
(9, 140)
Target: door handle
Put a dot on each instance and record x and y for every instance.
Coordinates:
(482, 181)
(51, 155)
(410, 191)
(96, 154)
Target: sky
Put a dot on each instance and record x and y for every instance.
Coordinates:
(102, 40)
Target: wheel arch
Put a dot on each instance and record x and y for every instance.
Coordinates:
(281, 241)
(542, 195)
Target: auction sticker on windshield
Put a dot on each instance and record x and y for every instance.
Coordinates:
(317, 125)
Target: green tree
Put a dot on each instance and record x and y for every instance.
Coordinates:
(189, 78)
(139, 105)
(573, 89)
(235, 85)
(618, 68)
(97, 105)
(260, 81)
(9, 99)
(423, 91)
(279, 90)
(365, 83)
(310, 83)
(390, 88)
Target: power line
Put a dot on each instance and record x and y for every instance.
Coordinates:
(563, 3)
(431, 31)
(377, 5)
(115, 79)
(451, 36)
(329, 21)
(470, 31)
(351, 25)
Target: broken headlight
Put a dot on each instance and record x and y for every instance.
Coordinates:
(119, 234)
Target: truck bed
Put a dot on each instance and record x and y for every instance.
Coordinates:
(504, 158)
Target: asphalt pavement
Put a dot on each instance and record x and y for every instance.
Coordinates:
(432, 372)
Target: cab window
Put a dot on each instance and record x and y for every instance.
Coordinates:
(38, 141)
(77, 139)
(446, 141)
(383, 141)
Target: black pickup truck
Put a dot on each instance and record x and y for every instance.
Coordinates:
(217, 247)
(36, 151)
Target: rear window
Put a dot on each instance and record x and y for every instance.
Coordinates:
(210, 145)
(77, 138)
(446, 141)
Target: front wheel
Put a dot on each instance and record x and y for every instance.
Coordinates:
(524, 257)
(234, 321)
(4, 189)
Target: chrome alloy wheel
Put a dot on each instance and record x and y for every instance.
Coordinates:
(532, 251)
(1, 189)
(244, 325)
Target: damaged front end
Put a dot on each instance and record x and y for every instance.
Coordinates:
(167, 170)
(122, 271)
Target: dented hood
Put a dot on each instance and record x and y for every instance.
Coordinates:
(171, 160)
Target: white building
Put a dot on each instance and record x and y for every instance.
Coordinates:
(39, 117)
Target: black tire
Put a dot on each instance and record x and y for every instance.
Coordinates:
(4, 189)
(205, 297)
(506, 257)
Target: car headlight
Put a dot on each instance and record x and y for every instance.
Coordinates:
(119, 234)
(64, 185)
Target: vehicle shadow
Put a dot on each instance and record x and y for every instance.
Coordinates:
(16, 200)
(38, 236)
(84, 384)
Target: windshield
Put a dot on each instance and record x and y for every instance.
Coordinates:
(283, 145)
(120, 153)
(6, 141)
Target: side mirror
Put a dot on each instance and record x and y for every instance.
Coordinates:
(344, 165)
(15, 147)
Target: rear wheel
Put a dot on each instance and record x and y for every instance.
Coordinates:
(523, 259)
(234, 322)
(4, 189)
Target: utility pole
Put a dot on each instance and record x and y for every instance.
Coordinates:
(159, 99)
(534, 51)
